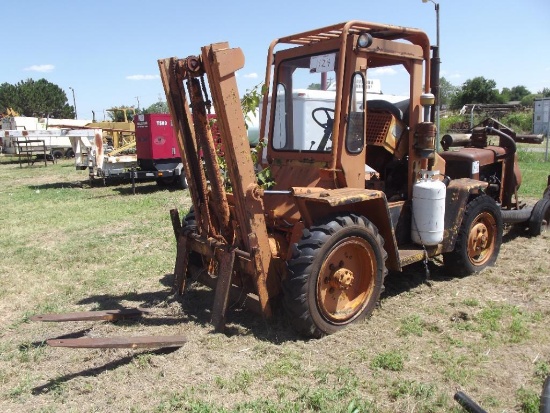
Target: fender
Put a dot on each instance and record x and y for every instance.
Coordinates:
(369, 203)
(458, 193)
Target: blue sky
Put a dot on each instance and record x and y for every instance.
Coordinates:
(107, 51)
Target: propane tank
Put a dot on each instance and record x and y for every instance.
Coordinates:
(428, 209)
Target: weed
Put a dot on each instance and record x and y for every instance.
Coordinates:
(285, 366)
(22, 388)
(456, 368)
(412, 325)
(143, 360)
(528, 400)
(411, 388)
(471, 302)
(391, 360)
(542, 369)
(29, 352)
(518, 331)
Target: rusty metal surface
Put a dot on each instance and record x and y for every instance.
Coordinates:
(237, 295)
(341, 196)
(458, 192)
(485, 156)
(108, 315)
(411, 255)
(214, 213)
(223, 285)
(119, 342)
(180, 267)
(220, 62)
(219, 205)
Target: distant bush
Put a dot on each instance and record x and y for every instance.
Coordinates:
(519, 122)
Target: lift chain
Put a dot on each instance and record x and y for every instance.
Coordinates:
(207, 101)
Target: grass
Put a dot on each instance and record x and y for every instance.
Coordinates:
(70, 247)
(390, 360)
(535, 171)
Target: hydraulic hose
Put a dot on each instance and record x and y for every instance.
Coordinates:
(468, 404)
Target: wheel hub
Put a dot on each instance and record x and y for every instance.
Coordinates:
(481, 239)
(346, 280)
(341, 279)
(478, 239)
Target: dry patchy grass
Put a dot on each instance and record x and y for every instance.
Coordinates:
(486, 334)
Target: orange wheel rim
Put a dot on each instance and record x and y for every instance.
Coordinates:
(346, 280)
(481, 239)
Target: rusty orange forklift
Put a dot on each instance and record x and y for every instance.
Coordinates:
(361, 193)
(357, 187)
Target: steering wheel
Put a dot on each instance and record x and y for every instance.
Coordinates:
(327, 126)
(326, 111)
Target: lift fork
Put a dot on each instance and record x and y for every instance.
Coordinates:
(108, 342)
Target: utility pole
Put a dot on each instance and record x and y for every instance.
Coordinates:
(74, 104)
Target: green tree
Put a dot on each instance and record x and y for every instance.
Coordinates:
(529, 100)
(158, 107)
(36, 98)
(476, 90)
(518, 93)
(506, 94)
(446, 91)
(314, 86)
(122, 113)
(8, 97)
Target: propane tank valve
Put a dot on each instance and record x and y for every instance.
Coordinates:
(427, 100)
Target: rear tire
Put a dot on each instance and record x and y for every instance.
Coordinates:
(540, 217)
(335, 276)
(479, 237)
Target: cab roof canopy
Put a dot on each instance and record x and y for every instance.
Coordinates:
(376, 30)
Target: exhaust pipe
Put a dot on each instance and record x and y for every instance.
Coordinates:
(515, 216)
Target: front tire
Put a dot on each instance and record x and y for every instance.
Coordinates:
(336, 275)
(479, 237)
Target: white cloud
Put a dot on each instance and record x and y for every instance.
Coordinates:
(40, 68)
(251, 76)
(385, 71)
(448, 75)
(142, 77)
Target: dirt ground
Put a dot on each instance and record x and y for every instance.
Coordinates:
(486, 335)
(209, 366)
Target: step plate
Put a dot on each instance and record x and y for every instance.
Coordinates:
(119, 342)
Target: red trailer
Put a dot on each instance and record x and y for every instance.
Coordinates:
(157, 150)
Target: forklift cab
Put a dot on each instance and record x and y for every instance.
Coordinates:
(321, 115)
